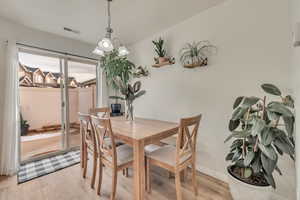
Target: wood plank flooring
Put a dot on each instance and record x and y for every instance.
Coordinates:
(68, 184)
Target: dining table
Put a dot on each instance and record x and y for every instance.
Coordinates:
(139, 133)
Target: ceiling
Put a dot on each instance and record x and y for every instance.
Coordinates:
(132, 20)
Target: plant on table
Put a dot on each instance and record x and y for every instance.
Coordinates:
(130, 93)
(261, 132)
(24, 125)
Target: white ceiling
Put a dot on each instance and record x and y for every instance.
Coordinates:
(133, 20)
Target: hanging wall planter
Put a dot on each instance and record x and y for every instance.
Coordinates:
(162, 59)
(196, 54)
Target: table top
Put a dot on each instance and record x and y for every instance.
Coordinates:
(140, 128)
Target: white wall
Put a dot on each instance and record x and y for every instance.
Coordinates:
(22, 34)
(252, 37)
(295, 62)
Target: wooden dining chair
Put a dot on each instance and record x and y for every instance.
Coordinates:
(102, 112)
(88, 145)
(176, 159)
(117, 158)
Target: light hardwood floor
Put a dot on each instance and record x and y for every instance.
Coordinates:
(68, 184)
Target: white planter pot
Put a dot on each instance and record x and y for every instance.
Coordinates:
(242, 191)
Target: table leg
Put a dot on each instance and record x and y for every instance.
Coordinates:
(139, 170)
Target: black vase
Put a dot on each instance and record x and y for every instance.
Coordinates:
(116, 108)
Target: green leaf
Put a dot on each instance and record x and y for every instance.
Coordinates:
(140, 93)
(247, 172)
(278, 170)
(229, 156)
(289, 125)
(249, 158)
(238, 134)
(266, 136)
(237, 102)
(270, 180)
(236, 143)
(280, 108)
(238, 113)
(249, 101)
(258, 126)
(236, 156)
(272, 115)
(268, 164)
(284, 146)
(271, 89)
(256, 165)
(233, 124)
(268, 151)
(137, 86)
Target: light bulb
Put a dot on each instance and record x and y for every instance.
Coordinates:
(106, 45)
(123, 51)
(98, 52)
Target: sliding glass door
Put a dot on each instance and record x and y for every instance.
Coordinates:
(53, 89)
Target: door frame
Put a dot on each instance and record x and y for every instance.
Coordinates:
(63, 62)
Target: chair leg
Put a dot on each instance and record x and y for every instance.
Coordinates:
(114, 184)
(194, 178)
(178, 185)
(85, 161)
(148, 176)
(81, 155)
(94, 170)
(100, 177)
(126, 173)
(183, 175)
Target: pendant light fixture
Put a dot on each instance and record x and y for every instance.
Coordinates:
(107, 44)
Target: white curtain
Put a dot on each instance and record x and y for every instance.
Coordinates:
(9, 108)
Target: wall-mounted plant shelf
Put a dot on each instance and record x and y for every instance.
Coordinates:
(198, 64)
(163, 64)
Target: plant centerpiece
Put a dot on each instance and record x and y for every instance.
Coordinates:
(196, 54)
(119, 68)
(261, 132)
(162, 59)
(130, 93)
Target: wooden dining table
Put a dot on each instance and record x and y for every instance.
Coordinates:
(138, 134)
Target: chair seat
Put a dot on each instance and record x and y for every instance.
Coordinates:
(151, 147)
(170, 141)
(167, 155)
(124, 154)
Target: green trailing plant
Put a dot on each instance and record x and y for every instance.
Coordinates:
(261, 132)
(159, 47)
(197, 52)
(130, 93)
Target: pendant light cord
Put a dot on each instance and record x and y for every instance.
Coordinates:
(109, 29)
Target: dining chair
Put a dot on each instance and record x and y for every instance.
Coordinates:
(117, 158)
(88, 145)
(176, 159)
(105, 111)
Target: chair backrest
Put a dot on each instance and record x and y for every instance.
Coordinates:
(187, 138)
(86, 131)
(101, 112)
(105, 139)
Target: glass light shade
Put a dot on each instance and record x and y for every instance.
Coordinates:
(106, 45)
(98, 51)
(123, 51)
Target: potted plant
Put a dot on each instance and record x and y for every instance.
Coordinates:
(160, 51)
(130, 93)
(24, 126)
(115, 66)
(262, 131)
(196, 54)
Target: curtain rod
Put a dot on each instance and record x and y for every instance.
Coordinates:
(54, 51)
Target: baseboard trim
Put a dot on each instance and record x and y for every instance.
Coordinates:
(213, 173)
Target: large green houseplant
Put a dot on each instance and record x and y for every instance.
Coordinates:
(120, 71)
(261, 132)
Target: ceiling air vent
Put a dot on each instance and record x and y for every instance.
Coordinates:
(71, 30)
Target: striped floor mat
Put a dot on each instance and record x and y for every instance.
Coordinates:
(46, 166)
